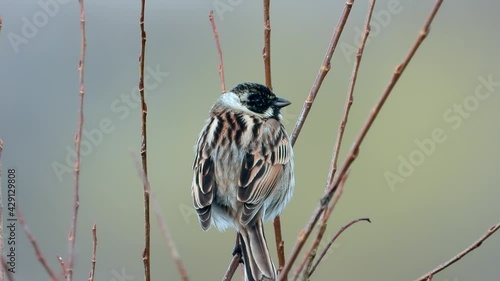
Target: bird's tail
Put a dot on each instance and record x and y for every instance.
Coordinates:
(256, 257)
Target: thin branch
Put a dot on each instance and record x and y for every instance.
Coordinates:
(304, 234)
(170, 242)
(38, 252)
(63, 266)
(325, 250)
(311, 253)
(266, 51)
(233, 265)
(219, 50)
(338, 142)
(78, 139)
(428, 276)
(146, 258)
(94, 249)
(162, 223)
(5, 267)
(236, 257)
(280, 244)
(350, 92)
(323, 71)
(2, 275)
(266, 55)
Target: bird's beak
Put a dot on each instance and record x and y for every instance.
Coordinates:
(281, 102)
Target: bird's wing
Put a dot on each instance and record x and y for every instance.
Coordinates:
(262, 169)
(204, 184)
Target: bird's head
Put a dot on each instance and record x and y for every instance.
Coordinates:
(255, 99)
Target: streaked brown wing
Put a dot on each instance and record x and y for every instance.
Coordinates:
(261, 170)
(204, 183)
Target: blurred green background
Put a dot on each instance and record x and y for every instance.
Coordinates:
(432, 212)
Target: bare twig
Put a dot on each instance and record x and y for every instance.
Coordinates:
(170, 242)
(350, 92)
(304, 234)
(323, 71)
(1, 199)
(5, 267)
(338, 142)
(311, 253)
(38, 252)
(280, 244)
(219, 50)
(231, 269)
(63, 266)
(146, 257)
(161, 222)
(233, 265)
(325, 250)
(428, 276)
(266, 55)
(266, 51)
(78, 138)
(94, 248)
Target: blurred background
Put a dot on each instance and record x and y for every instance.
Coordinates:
(427, 174)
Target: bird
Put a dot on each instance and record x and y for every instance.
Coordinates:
(244, 171)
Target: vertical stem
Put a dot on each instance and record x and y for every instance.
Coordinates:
(1, 206)
(219, 51)
(323, 71)
(266, 52)
(266, 55)
(147, 228)
(338, 142)
(94, 250)
(78, 138)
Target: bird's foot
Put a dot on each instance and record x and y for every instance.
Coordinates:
(237, 251)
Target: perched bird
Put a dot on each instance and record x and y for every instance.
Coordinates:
(243, 170)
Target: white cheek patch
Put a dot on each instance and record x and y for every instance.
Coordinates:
(268, 113)
(231, 100)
